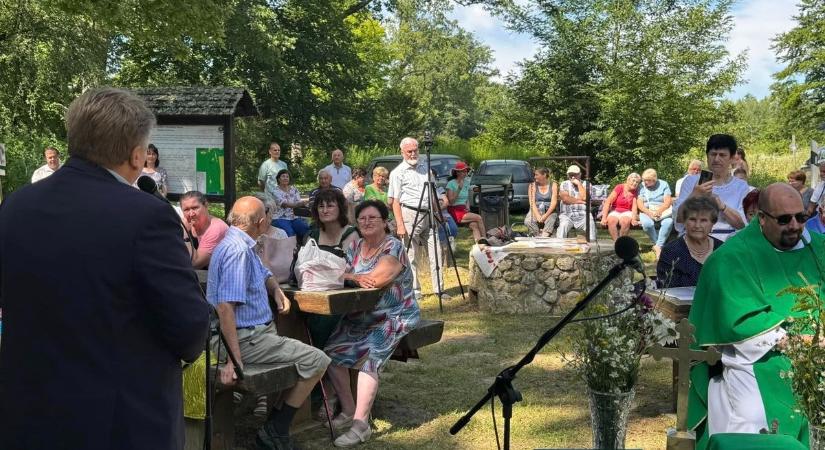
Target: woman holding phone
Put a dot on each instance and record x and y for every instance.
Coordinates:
(718, 183)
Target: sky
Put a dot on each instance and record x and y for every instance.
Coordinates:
(756, 23)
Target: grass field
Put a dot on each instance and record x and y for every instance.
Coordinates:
(419, 400)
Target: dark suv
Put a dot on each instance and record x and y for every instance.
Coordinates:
(442, 164)
(522, 177)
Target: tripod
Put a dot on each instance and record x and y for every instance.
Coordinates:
(432, 206)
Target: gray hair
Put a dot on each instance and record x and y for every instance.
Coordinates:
(242, 220)
(699, 204)
(104, 125)
(322, 172)
(269, 202)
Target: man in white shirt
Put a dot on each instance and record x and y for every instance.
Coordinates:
(270, 168)
(727, 190)
(412, 214)
(52, 164)
(341, 173)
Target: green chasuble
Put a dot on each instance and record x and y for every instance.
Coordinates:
(736, 300)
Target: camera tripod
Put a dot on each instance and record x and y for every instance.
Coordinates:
(432, 207)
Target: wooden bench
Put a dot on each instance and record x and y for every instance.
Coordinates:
(426, 333)
(259, 379)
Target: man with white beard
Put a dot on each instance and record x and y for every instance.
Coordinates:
(407, 183)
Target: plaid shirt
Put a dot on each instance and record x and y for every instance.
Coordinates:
(575, 212)
(237, 275)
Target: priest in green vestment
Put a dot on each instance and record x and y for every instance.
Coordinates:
(736, 309)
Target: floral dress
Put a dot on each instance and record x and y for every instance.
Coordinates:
(282, 212)
(365, 340)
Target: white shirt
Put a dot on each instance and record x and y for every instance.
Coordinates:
(340, 175)
(42, 172)
(730, 193)
(407, 182)
(678, 187)
(817, 195)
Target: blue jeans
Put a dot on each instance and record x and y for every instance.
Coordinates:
(452, 228)
(293, 227)
(658, 237)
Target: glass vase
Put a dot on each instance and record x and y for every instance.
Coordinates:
(608, 415)
(817, 437)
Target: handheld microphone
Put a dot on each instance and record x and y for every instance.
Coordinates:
(627, 249)
(146, 184)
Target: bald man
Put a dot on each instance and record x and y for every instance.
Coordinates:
(340, 172)
(238, 287)
(736, 308)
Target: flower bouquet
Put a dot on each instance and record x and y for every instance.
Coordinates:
(606, 352)
(805, 348)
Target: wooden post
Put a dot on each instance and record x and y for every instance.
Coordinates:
(681, 438)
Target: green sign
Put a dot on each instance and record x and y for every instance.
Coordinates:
(209, 162)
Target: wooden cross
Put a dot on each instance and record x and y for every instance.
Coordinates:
(684, 357)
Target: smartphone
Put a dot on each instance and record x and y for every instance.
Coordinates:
(705, 176)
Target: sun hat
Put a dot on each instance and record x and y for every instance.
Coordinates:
(459, 167)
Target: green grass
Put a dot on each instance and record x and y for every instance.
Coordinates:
(420, 400)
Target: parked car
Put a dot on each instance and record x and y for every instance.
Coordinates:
(442, 164)
(522, 177)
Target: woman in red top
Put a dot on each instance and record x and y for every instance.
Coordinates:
(620, 211)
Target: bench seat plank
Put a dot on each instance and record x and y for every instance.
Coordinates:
(427, 332)
(262, 379)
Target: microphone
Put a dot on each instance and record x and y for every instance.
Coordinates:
(627, 249)
(146, 184)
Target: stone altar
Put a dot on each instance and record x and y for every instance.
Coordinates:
(540, 280)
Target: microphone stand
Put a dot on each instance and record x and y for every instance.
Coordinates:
(503, 388)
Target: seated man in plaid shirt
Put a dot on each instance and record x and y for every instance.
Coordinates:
(573, 210)
(239, 286)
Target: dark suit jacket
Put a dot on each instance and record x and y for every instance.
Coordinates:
(100, 305)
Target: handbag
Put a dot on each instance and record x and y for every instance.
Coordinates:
(277, 255)
(318, 270)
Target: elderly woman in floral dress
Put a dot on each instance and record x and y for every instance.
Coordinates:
(366, 340)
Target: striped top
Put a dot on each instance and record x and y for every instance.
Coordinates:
(236, 275)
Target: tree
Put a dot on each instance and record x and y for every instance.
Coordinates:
(801, 84)
(631, 82)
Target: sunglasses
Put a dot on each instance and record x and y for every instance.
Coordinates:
(785, 219)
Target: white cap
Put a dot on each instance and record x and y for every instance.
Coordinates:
(574, 169)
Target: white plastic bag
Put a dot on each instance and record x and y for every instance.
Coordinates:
(317, 270)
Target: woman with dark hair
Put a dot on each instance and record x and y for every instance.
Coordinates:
(365, 340)
(354, 191)
(682, 259)
(287, 197)
(738, 161)
(458, 196)
(543, 196)
(333, 233)
(152, 169)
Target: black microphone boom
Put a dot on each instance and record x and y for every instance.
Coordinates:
(146, 184)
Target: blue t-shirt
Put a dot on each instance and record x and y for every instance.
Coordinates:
(656, 195)
(452, 185)
(815, 225)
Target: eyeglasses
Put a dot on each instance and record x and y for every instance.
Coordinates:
(785, 219)
(366, 219)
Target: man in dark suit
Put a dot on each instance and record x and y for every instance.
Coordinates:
(100, 302)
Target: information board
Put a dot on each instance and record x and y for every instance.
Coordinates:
(193, 156)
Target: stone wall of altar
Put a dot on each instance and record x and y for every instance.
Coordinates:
(529, 281)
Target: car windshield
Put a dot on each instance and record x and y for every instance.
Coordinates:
(520, 173)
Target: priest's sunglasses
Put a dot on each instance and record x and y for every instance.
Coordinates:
(785, 219)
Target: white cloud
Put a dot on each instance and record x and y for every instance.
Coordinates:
(756, 24)
(509, 48)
